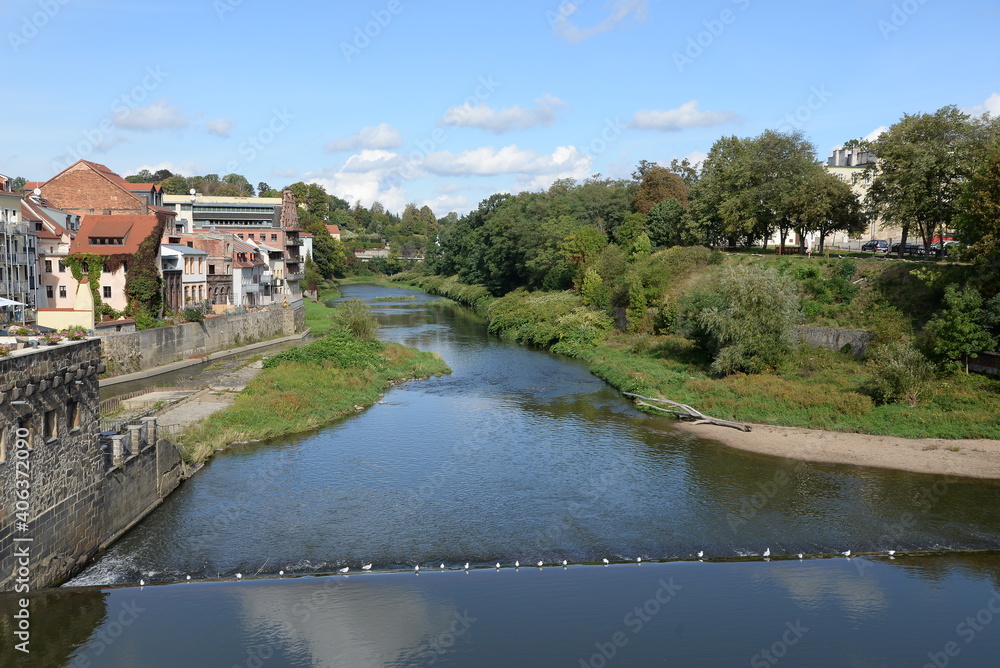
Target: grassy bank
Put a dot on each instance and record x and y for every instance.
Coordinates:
(817, 389)
(306, 388)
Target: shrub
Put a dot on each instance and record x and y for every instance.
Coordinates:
(754, 328)
(193, 315)
(898, 372)
(356, 317)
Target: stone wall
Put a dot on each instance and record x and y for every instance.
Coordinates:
(128, 353)
(988, 363)
(836, 339)
(63, 492)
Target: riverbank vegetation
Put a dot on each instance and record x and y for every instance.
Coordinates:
(670, 285)
(305, 388)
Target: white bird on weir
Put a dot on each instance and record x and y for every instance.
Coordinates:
(846, 553)
(564, 563)
(638, 560)
(517, 564)
(800, 556)
(539, 563)
(345, 569)
(142, 583)
(366, 567)
(498, 565)
(442, 567)
(701, 553)
(892, 552)
(467, 565)
(416, 569)
(767, 552)
(189, 577)
(606, 562)
(281, 572)
(239, 576)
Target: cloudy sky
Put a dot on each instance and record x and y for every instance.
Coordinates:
(444, 103)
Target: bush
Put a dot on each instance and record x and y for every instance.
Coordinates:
(193, 315)
(356, 317)
(339, 347)
(898, 372)
(753, 330)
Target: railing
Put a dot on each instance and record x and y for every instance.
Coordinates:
(267, 277)
(294, 241)
(295, 276)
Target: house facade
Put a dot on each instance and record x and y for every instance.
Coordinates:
(18, 261)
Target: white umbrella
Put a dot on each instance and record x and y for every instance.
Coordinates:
(9, 302)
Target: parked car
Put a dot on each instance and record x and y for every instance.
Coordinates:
(911, 249)
(876, 246)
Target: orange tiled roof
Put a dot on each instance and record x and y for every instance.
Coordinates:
(133, 229)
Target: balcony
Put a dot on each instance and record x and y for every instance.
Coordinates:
(267, 277)
(293, 241)
(251, 289)
(295, 276)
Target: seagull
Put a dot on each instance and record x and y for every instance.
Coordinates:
(189, 577)
(467, 565)
(498, 565)
(846, 553)
(606, 562)
(142, 583)
(892, 552)
(239, 576)
(345, 569)
(517, 564)
(416, 569)
(539, 563)
(564, 563)
(366, 567)
(281, 572)
(767, 552)
(638, 560)
(701, 553)
(800, 556)
(442, 567)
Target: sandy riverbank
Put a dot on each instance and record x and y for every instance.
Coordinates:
(967, 458)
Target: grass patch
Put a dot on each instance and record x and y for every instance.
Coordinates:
(305, 388)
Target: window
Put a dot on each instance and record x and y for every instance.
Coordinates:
(72, 415)
(51, 425)
(107, 292)
(62, 267)
(62, 292)
(250, 236)
(48, 291)
(211, 270)
(48, 266)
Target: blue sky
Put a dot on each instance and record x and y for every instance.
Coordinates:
(444, 103)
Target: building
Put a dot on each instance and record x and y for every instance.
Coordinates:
(851, 165)
(56, 230)
(18, 260)
(185, 283)
(248, 274)
(200, 212)
(118, 238)
(91, 188)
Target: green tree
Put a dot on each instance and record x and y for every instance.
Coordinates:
(824, 204)
(753, 331)
(897, 372)
(664, 224)
(143, 176)
(959, 331)
(16, 184)
(175, 185)
(240, 183)
(978, 219)
(923, 163)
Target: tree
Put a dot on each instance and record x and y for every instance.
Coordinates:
(978, 219)
(959, 331)
(262, 188)
(656, 185)
(161, 175)
(824, 204)
(754, 329)
(923, 162)
(175, 185)
(240, 182)
(16, 184)
(665, 223)
(144, 176)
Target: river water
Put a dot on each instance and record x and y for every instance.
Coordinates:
(523, 456)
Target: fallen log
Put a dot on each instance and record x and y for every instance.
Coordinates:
(685, 412)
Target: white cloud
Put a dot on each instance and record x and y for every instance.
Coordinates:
(155, 116)
(675, 120)
(373, 137)
(564, 162)
(876, 133)
(566, 28)
(372, 161)
(443, 205)
(364, 178)
(103, 146)
(991, 106)
(696, 157)
(220, 127)
(483, 116)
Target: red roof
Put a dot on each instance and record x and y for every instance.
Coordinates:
(333, 229)
(132, 229)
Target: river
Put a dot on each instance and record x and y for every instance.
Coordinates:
(523, 456)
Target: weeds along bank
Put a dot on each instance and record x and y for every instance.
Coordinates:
(678, 331)
(308, 387)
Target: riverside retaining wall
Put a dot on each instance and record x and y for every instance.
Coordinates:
(836, 339)
(138, 351)
(65, 489)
